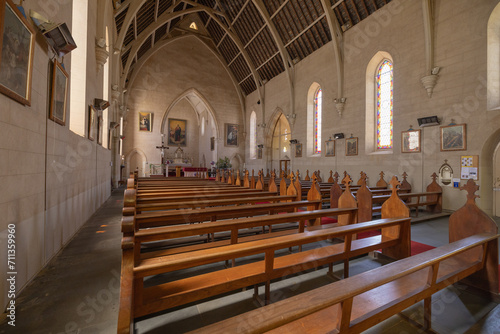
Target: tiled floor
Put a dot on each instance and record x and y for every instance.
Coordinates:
(78, 291)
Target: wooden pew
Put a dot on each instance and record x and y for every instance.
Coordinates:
(432, 199)
(143, 266)
(152, 299)
(357, 303)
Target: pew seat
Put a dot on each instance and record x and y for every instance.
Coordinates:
(355, 304)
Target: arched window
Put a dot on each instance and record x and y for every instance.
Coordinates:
(253, 135)
(384, 84)
(78, 75)
(203, 125)
(318, 99)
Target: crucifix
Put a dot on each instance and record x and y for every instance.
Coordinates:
(162, 148)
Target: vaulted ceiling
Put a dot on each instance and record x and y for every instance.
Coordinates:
(258, 39)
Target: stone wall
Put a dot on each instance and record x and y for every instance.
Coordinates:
(52, 179)
(461, 44)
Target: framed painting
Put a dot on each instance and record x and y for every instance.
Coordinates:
(351, 146)
(330, 148)
(259, 152)
(145, 121)
(298, 150)
(410, 141)
(212, 143)
(17, 44)
(177, 132)
(231, 134)
(100, 129)
(92, 122)
(454, 137)
(58, 94)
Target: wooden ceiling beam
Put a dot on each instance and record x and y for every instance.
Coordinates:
(307, 28)
(355, 10)
(279, 8)
(365, 7)
(348, 14)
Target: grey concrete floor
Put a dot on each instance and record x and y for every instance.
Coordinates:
(78, 290)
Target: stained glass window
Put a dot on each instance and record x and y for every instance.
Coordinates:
(384, 81)
(318, 98)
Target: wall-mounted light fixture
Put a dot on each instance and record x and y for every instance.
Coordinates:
(293, 141)
(261, 125)
(338, 136)
(260, 146)
(100, 104)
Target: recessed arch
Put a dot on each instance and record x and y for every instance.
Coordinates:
(311, 94)
(192, 95)
(486, 171)
(129, 155)
(370, 100)
(164, 43)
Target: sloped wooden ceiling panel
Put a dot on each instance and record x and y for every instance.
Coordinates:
(301, 25)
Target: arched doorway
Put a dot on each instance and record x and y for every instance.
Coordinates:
(280, 144)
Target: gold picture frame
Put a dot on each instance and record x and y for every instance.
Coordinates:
(351, 146)
(231, 134)
(410, 141)
(330, 148)
(298, 150)
(58, 94)
(145, 121)
(177, 132)
(17, 44)
(454, 137)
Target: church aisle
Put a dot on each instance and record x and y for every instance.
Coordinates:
(78, 291)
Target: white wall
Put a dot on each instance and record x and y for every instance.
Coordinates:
(460, 94)
(52, 179)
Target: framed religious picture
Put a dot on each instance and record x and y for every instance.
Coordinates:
(145, 121)
(351, 146)
(410, 141)
(298, 150)
(231, 134)
(212, 143)
(330, 148)
(17, 44)
(58, 94)
(453, 137)
(92, 122)
(259, 152)
(177, 132)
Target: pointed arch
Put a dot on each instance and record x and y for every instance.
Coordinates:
(371, 101)
(192, 95)
(313, 139)
(142, 61)
(130, 154)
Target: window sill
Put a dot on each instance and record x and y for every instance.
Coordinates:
(381, 152)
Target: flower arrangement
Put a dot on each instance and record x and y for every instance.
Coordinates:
(223, 163)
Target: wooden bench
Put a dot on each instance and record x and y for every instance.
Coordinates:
(357, 303)
(136, 300)
(368, 203)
